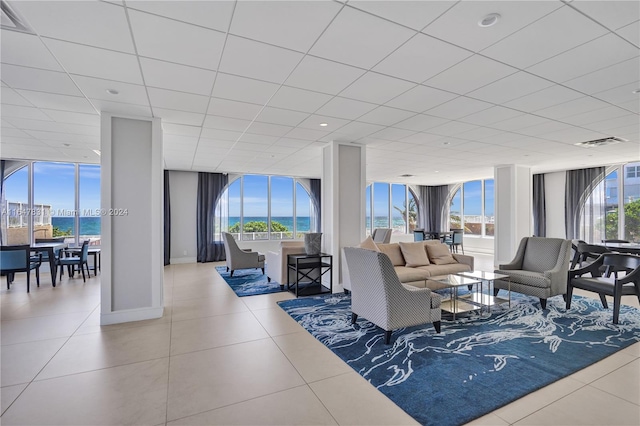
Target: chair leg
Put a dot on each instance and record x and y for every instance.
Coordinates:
(231, 272)
(347, 291)
(262, 271)
(28, 279)
(617, 295)
(495, 291)
(387, 337)
(227, 269)
(569, 295)
(603, 299)
(82, 269)
(354, 318)
(38, 276)
(8, 282)
(436, 325)
(543, 303)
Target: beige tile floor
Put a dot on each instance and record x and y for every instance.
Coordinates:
(215, 358)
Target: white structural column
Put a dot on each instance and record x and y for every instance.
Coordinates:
(343, 201)
(132, 219)
(514, 198)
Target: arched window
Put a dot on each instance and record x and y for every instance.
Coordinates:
(260, 207)
(471, 207)
(393, 206)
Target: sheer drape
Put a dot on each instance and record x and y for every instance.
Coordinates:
(2, 167)
(167, 220)
(584, 195)
(315, 185)
(210, 188)
(431, 207)
(539, 207)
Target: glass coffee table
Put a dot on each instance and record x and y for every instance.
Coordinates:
(457, 305)
(487, 299)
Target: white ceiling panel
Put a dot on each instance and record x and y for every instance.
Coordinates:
(414, 60)
(74, 117)
(568, 109)
(323, 76)
(10, 97)
(94, 62)
(15, 135)
(179, 129)
(27, 50)
(518, 122)
(268, 129)
(96, 88)
(281, 116)
(607, 78)
(470, 74)
(412, 14)
(226, 123)
(173, 41)
(631, 33)
(510, 87)
(376, 88)
(179, 117)
(217, 134)
(620, 94)
(235, 109)
(95, 23)
(633, 106)
(243, 89)
(306, 134)
(345, 108)
(356, 130)
(359, 39)
(421, 98)
(248, 58)
(274, 22)
(452, 128)
(298, 99)
(15, 111)
(458, 108)
(460, 24)
(491, 115)
(121, 108)
(292, 143)
(557, 32)
(259, 139)
(171, 99)
(39, 80)
(420, 122)
(182, 78)
(210, 14)
(385, 116)
(544, 98)
(55, 101)
(313, 121)
(423, 138)
(595, 116)
(613, 14)
(392, 134)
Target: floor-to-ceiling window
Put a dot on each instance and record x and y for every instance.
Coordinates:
(391, 206)
(89, 202)
(472, 208)
(15, 208)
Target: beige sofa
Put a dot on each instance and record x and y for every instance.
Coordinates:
(416, 262)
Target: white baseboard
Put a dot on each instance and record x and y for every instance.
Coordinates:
(176, 260)
(129, 315)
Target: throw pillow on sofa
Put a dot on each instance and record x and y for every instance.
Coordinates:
(414, 254)
(439, 254)
(369, 244)
(394, 253)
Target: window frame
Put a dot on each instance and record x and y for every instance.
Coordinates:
(370, 205)
(483, 225)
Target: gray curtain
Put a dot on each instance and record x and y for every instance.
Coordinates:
(539, 207)
(431, 206)
(167, 220)
(316, 189)
(2, 166)
(210, 188)
(579, 185)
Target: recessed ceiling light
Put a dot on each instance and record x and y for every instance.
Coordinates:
(436, 171)
(635, 92)
(489, 20)
(324, 124)
(112, 91)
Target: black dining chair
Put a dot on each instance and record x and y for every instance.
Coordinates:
(615, 241)
(18, 259)
(418, 235)
(80, 261)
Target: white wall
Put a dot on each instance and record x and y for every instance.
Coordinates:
(183, 191)
(554, 187)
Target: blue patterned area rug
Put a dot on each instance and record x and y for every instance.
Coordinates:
(476, 364)
(248, 282)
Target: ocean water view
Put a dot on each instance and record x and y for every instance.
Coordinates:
(88, 225)
(303, 223)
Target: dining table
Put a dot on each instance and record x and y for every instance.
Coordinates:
(50, 249)
(437, 235)
(632, 248)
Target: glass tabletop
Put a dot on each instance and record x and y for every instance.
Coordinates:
(483, 275)
(455, 280)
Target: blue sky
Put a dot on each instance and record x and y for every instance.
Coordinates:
(255, 197)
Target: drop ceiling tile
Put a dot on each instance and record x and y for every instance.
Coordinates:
(275, 22)
(27, 50)
(243, 89)
(392, 134)
(171, 99)
(458, 108)
(519, 122)
(298, 99)
(452, 128)
(420, 122)
(359, 39)
(292, 143)
(385, 116)
(179, 141)
(586, 118)
(631, 32)
(376, 88)
(15, 111)
(54, 101)
(611, 14)
(356, 130)
(80, 22)
(460, 24)
(633, 106)
(557, 32)
(269, 129)
(214, 144)
(281, 116)
(96, 88)
(313, 122)
(51, 137)
(38, 80)
(255, 138)
(161, 38)
(218, 134)
(544, 98)
(180, 129)
(182, 78)
(348, 109)
(614, 123)
(121, 108)
(14, 134)
(32, 124)
(322, 75)
(423, 138)
(306, 134)
(421, 98)
(573, 135)
(609, 49)
(546, 127)
(607, 78)
(478, 133)
(470, 74)
(491, 115)
(74, 117)
(511, 87)
(279, 149)
(234, 109)
(261, 61)
(179, 117)
(414, 60)
(623, 93)
(574, 107)
(94, 62)
(413, 14)
(226, 123)
(209, 14)
(10, 97)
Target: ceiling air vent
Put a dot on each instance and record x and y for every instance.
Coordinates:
(11, 20)
(601, 142)
(406, 176)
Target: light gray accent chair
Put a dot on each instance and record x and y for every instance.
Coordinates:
(540, 268)
(238, 258)
(381, 235)
(378, 295)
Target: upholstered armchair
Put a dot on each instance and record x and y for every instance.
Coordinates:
(378, 295)
(539, 268)
(238, 258)
(382, 235)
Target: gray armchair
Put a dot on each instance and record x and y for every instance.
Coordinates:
(238, 258)
(378, 295)
(382, 235)
(539, 268)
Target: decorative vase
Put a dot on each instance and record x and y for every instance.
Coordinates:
(313, 242)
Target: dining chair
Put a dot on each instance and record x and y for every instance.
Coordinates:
(73, 261)
(18, 259)
(455, 240)
(418, 235)
(615, 241)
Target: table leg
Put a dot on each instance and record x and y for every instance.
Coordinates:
(53, 268)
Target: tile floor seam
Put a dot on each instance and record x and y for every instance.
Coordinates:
(218, 347)
(323, 404)
(50, 315)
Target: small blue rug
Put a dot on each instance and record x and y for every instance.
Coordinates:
(248, 282)
(476, 364)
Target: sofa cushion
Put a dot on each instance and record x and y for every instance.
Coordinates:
(530, 278)
(407, 275)
(450, 268)
(394, 253)
(440, 254)
(369, 244)
(414, 254)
